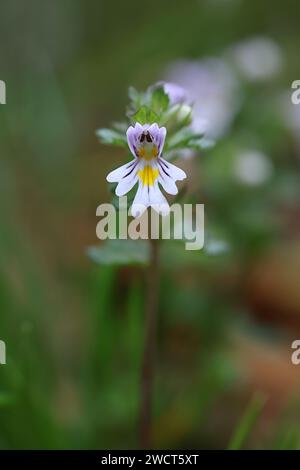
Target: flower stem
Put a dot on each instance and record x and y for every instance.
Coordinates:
(148, 365)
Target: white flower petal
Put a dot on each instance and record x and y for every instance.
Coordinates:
(149, 196)
(153, 129)
(168, 184)
(132, 136)
(172, 170)
(139, 128)
(126, 184)
(162, 137)
(149, 172)
(131, 139)
(157, 200)
(141, 201)
(116, 175)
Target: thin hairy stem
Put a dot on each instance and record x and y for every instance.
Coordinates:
(148, 365)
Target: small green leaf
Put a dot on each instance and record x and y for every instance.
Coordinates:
(200, 144)
(159, 100)
(177, 116)
(112, 137)
(185, 138)
(120, 252)
(145, 115)
(121, 126)
(170, 114)
(205, 143)
(135, 96)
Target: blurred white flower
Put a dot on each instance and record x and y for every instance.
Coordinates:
(216, 247)
(258, 58)
(252, 167)
(213, 89)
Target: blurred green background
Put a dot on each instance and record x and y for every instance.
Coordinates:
(229, 313)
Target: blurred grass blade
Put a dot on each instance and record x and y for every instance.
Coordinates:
(288, 440)
(247, 422)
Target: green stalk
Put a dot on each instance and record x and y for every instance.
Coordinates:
(148, 364)
(244, 428)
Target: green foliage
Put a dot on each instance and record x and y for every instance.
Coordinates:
(159, 101)
(154, 106)
(73, 327)
(135, 97)
(120, 252)
(244, 428)
(185, 138)
(145, 115)
(112, 137)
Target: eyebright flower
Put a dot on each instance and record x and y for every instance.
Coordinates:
(148, 169)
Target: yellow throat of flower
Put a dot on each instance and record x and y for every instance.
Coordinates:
(148, 152)
(148, 175)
